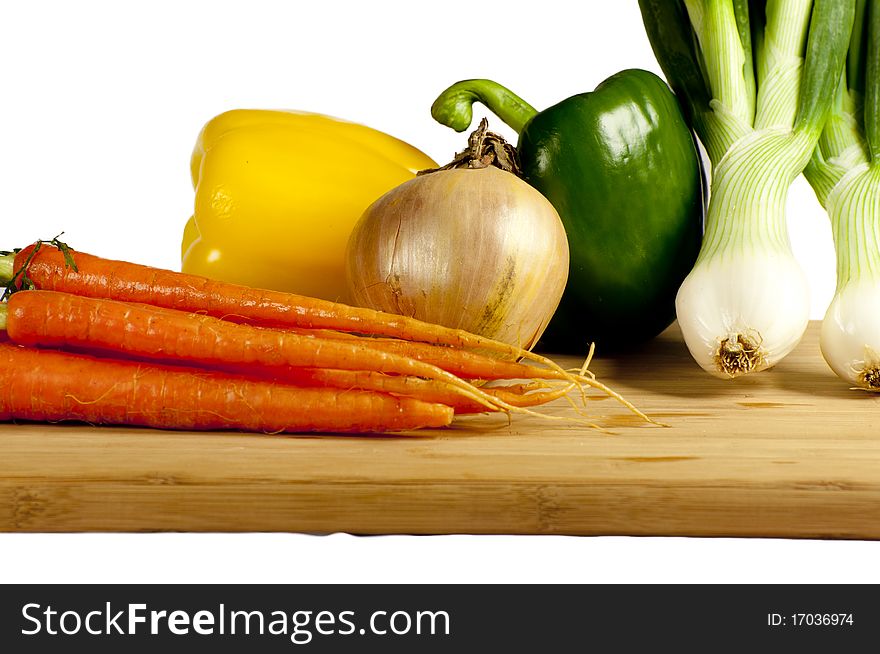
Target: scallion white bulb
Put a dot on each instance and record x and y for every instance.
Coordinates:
(746, 303)
(743, 312)
(850, 338)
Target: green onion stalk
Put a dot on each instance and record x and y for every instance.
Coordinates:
(846, 177)
(757, 81)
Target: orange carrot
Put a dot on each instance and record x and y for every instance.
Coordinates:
(464, 363)
(428, 390)
(60, 268)
(49, 385)
(53, 319)
(49, 268)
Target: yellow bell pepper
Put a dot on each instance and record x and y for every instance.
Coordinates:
(277, 194)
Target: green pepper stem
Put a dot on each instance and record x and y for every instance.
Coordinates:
(453, 107)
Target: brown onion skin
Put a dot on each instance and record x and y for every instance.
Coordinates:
(474, 249)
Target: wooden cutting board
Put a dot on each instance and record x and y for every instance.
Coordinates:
(791, 452)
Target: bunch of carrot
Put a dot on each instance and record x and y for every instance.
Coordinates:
(105, 341)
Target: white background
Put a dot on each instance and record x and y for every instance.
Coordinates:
(101, 104)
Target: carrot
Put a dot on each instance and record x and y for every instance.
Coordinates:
(464, 363)
(476, 366)
(49, 385)
(428, 390)
(54, 319)
(62, 269)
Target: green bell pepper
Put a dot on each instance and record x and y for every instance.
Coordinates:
(622, 170)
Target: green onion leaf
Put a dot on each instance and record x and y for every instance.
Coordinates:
(672, 39)
(829, 37)
(872, 82)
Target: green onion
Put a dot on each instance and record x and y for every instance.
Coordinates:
(846, 177)
(757, 80)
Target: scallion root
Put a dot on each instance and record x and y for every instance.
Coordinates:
(739, 354)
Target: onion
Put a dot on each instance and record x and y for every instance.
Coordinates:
(759, 87)
(469, 246)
